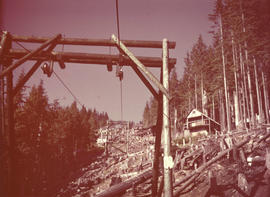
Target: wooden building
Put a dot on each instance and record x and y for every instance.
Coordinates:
(199, 123)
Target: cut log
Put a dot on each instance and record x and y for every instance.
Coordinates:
(122, 187)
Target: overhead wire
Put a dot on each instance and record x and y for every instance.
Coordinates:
(118, 34)
(63, 83)
(69, 90)
(22, 46)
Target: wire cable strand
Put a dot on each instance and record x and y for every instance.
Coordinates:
(69, 90)
(22, 46)
(117, 18)
(118, 33)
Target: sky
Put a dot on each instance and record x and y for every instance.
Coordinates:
(181, 21)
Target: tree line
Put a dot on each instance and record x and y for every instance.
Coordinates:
(51, 141)
(229, 79)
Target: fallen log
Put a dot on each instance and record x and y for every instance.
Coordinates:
(112, 145)
(191, 177)
(122, 187)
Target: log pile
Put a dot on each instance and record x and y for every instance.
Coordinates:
(228, 165)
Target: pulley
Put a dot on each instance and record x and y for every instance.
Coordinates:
(47, 68)
(119, 67)
(119, 72)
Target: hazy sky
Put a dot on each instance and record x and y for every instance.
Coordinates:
(181, 21)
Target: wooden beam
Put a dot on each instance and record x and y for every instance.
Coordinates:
(145, 81)
(118, 189)
(203, 167)
(88, 58)
(94, 42)
(158, 131)
(167, 159)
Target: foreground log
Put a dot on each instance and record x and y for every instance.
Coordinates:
(191, 177)
(203, 167)
(118, 189)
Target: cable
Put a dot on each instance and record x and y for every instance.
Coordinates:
(121, 93)
(117, 17)
(22, 46)
(118, 32)
(75, 98)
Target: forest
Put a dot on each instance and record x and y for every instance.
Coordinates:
(233, 69)
(52, 141)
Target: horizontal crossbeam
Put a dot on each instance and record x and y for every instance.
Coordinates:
(94, 42)
(88, 58)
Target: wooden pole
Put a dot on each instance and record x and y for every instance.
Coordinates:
(89, 58)
(13, 186)
(157, 141)
(168, 160)
(4, 46)
(118, 189)
(145, 81)
(210, 162)
(94, 42)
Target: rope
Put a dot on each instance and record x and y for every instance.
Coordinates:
(75, 98)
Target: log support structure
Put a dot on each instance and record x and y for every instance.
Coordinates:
(139, 64)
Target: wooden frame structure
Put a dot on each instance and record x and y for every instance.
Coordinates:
(45, 52)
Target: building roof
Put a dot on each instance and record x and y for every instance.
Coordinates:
(197, 113)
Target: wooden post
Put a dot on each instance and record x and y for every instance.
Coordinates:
(157, 142)
(94, 42)
(168, 160)
(5, 45)
(118, 189)
(13, 186)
